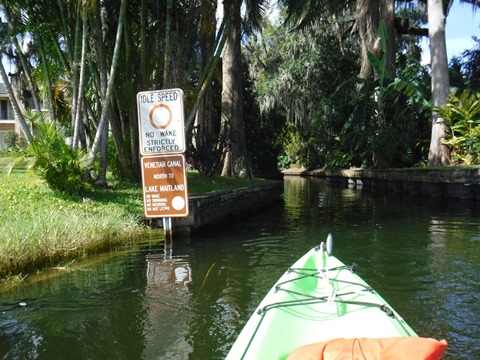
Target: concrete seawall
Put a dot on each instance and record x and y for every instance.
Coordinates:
(218, 206)
(453, 183)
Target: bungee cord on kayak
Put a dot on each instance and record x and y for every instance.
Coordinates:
(337, 298)
(320, 300)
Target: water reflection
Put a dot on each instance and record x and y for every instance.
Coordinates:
(454, 264)
(166, 271)
(75, 310)
(131, 306)
(166, 299)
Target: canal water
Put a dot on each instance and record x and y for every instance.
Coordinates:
(190, 299)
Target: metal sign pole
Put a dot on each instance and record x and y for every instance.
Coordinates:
(167, 229)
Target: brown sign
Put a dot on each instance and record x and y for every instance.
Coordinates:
(164, 186)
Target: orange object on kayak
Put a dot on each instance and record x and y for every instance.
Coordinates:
(396, 348)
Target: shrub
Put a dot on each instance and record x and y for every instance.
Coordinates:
(11, 139)
(54, 161)
(462, 117)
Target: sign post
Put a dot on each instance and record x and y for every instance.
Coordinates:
(162, 144)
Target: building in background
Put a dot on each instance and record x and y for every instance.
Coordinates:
(7, 120)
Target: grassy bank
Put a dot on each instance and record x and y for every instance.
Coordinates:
(39, 227)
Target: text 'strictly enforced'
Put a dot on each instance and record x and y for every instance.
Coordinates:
(162, 143)
(161, 118)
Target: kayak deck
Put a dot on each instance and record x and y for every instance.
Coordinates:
(319, 298)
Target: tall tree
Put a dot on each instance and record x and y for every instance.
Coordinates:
(167, 68)
(233, 129)
(369, 13)
(439, 153)
(77, 116)
(205, 149)
(107, 96)
(23, 59)
(235, 162)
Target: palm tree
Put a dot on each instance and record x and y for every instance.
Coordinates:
(204, 141)
(12, 34)
(101, 137)
(235, 159)
(439, 153)
(368, 14)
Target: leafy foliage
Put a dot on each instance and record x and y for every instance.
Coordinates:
(374, 122)
(294, 73)
(10, 139)
(385, 114)
(49, 156)
(465, 70)
(462, 116)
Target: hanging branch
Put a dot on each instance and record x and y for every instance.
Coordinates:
(207, 76)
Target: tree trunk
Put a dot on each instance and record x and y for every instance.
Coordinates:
(143, 42)
(48, 82)
(78, 122)
(387, 13)
(131, 114)
(368, 16)
(232, 124)
(204, 123)
(28, 75)
(167, 77)
(75, 64)
(439, 153)
(101, 137)
(118, 134)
